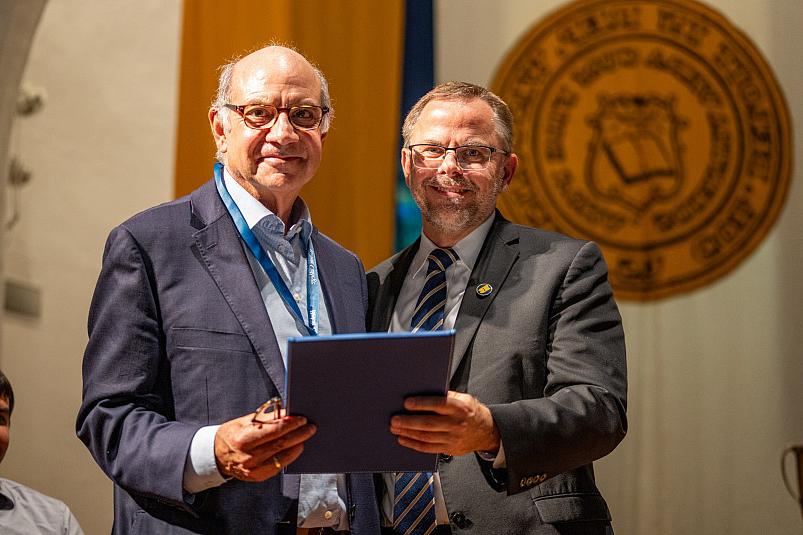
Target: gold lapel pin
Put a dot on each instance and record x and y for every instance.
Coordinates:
(484, 289)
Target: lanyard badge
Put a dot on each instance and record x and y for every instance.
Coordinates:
(311, 325)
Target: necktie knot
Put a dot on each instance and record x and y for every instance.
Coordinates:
(441, 259)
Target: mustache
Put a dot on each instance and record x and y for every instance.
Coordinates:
(442, 182)
(271, 150)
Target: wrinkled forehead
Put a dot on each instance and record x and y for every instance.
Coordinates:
(283, 76)
(439, 118)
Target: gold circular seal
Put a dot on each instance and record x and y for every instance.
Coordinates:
(654, 128)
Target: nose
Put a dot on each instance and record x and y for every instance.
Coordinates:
(282, 131)
(449, 166)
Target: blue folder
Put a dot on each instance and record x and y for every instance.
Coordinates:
(350, 385)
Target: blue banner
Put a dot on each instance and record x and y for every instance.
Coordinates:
(418, 77)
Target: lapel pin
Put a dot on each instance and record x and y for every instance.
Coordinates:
(484, 289)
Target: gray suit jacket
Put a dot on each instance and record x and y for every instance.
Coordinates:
(545, 351)
(179, 338)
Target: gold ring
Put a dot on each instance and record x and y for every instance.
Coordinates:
(276, 462)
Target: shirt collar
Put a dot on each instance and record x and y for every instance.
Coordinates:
(253, 211)
(468, 249)
(6, 503)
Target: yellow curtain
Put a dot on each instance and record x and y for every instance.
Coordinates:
(358, 45)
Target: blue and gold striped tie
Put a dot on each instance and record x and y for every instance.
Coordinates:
(431, 304)
(414, 503)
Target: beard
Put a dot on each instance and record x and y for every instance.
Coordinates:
(456, 215)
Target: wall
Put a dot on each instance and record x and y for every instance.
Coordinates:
(100, 150)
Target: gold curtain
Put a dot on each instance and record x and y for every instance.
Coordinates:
(358, 45)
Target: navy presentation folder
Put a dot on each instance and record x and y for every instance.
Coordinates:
(350, 385)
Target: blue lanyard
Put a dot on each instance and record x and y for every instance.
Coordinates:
(264, 260)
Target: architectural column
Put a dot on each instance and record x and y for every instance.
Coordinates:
(18, 22)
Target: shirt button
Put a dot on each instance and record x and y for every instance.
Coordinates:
(328, 515)
(297, 297)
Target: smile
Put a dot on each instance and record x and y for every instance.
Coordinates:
(278, 158)
(451, 190)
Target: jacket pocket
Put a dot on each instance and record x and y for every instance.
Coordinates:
(572, 508)
(192, 338)
(215, 376)
(145, 524)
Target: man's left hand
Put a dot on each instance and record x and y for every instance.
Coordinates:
(456, 424)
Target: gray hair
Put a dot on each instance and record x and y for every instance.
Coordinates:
(224, 91)
(464, 91)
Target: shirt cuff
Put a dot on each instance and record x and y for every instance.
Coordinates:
(200, 467)
(497, 458)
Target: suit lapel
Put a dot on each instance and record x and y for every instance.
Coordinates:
(497, 256)
(388, 293)
(221, 250)
(328, 274)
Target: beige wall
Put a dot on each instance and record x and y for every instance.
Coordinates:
(100, 150)
(716, 376)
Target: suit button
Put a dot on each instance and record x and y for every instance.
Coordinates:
(444, 457)
(459, 519)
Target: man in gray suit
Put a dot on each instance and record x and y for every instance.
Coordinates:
(538, 381)
(190, 319)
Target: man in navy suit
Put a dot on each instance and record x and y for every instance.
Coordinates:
(538, 382)
(190, 318)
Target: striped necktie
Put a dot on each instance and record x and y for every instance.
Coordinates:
(414, 503)
(429, 309)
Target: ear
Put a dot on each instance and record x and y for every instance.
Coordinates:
(218, 129)
(509, 169)
(406, 164)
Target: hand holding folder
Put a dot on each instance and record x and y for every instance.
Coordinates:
(455, 425)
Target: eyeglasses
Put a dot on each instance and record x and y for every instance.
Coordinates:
(469, 157)
(263, 116)
(269, 411)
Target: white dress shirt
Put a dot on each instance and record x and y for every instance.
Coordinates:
(457, 275)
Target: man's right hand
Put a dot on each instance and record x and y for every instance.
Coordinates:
(251, 451)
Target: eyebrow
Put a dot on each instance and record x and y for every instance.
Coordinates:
(307, 101)
(470, 143)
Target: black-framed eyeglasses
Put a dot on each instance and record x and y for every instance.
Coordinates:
(469, 157)
(263, 116)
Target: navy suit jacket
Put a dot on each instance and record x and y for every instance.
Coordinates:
(179, 338)
(545, 351)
